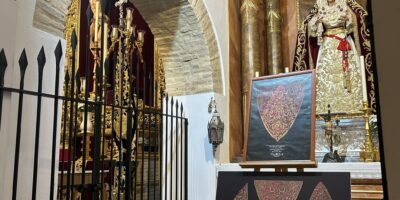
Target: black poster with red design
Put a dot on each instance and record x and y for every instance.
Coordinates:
(281, 118)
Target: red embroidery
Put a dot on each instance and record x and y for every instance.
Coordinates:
(320, 193)
(277, 190)
(279, 108)
(243, 194)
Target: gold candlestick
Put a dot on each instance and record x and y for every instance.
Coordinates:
(367, 154)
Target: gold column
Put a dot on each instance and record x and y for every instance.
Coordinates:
(273, 25)
(250, 45)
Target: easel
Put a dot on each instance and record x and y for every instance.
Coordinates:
(280, 166)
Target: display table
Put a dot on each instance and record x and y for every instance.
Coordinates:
(358, 170)
(366, 178)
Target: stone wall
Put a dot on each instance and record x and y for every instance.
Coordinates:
(182, 31)
(50, 16)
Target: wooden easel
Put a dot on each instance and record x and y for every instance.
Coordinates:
(279, 166)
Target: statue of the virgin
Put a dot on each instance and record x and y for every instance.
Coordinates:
(331, 40)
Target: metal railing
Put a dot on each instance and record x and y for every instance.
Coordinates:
(152, 156)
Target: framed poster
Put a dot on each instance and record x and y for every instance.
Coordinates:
(289, 186)
(280, 124)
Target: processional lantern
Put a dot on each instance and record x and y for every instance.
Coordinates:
(215, 126)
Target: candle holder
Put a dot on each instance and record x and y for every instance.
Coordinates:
(140, 42)
(367, 153)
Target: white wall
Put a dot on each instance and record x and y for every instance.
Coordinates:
(218, 13)
(201, 163)
(8, 19)
(18, 15)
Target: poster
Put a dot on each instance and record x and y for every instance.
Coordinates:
(281, 118)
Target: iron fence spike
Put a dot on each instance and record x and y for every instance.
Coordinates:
(23, 62)
(3, 60)
(106, 65)
(41, 59)
(103, 5)
(78, 81)
(89, 14)
(67, 77)
(3, 66)
(74, 39)
(132, 38)
(58, 53)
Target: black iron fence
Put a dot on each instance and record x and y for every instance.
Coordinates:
(136, 150)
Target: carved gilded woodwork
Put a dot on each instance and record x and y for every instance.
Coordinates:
(159, 77)
(72, 23)
(250, 42)
(251, 62)
(274, 37)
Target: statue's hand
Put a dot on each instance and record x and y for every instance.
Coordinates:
(319, 18)
(344, 18)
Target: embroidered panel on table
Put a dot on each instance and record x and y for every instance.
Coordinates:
(277, 190)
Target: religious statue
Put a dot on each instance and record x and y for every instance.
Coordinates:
(332, 39)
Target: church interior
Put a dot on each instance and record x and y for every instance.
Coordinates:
(198, 99)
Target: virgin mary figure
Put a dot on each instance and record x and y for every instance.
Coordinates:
(332, 39)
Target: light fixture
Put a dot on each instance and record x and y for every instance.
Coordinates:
(215, 126)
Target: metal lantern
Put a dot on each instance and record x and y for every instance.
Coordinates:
(215, 127)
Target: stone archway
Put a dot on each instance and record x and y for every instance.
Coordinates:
(183, 33)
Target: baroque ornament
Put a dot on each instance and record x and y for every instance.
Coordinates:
(249, 4)
(274, 19)
(277, 190)
(279, 108)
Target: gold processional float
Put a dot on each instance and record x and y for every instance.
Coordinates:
(121, 35)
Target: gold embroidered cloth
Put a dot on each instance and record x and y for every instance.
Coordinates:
(279, 109)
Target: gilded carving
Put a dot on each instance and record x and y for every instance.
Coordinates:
(250, 51)
(249, 5)
(160, 86)
(274, 19)
(274, 38)
(72, 23)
